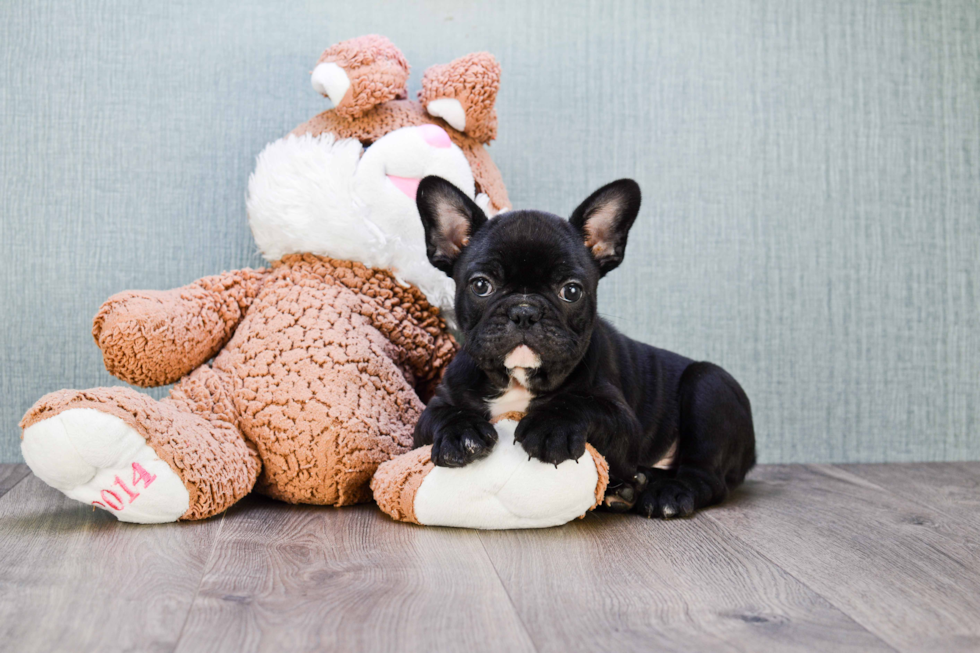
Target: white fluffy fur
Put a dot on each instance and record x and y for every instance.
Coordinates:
(321, 195)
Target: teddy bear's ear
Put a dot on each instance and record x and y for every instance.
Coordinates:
(463, 94)
(359, 74)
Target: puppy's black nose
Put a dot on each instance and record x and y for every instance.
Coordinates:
(524, 315)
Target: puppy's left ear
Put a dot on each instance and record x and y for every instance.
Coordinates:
(450, 219)
(604, 220)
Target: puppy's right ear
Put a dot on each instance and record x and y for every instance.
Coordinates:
(450, 219)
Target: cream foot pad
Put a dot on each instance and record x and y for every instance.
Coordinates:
(503, 490)
(97, 458)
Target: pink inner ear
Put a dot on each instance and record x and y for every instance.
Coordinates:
(407, 185)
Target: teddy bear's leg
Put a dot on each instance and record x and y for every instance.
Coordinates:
(145, 461)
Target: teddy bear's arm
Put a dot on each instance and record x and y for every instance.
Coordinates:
(150, 338)
(429, 374)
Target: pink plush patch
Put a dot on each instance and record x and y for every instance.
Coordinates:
(407, 185)
(435, 136)
(523, 357)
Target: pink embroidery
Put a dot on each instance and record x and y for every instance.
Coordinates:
(140, 474)
(112, 505)
(132, 495)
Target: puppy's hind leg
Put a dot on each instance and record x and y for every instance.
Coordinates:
(621, 496)
(716, 445)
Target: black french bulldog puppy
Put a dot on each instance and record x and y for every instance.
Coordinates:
(677, 433)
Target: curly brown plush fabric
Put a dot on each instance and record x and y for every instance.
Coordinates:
(317, 381)
(194, 431)
(397, 481)
(323, 370)
(377, 71)
(150, 337)
(316, 365)
(472, 80)
(602, 467)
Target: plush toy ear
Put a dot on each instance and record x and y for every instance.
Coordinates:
(450, 219)
(463, 94)
(359, 74)
(604, 220)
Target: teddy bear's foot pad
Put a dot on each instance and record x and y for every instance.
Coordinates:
(99, 459)
(505, 489)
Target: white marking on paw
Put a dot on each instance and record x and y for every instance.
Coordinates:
(97, 458)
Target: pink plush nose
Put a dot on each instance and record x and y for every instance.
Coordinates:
(435, 136)
(406, 185)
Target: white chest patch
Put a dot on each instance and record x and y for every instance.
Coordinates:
(516, 397)
(514, 400)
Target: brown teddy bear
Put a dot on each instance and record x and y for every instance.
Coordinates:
(316, 362)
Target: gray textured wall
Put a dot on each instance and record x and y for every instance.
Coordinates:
(811, 172)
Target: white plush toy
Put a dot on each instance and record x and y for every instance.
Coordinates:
(507, 489)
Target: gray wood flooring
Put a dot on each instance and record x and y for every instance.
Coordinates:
(815, 557)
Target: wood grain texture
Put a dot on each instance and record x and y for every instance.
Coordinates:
(76, 580)
(624, 583)
(286, 578)
(906, 572)
(951, 488)
(801, 559)
(11, 475)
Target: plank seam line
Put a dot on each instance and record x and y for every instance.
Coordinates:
(510, 600)
(893, 493)
(200, 582)
(831, 603)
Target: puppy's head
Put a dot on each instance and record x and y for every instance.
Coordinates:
(526, 280)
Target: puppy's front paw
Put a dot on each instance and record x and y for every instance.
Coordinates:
(667, 499)
(551, 437)
(462, 438)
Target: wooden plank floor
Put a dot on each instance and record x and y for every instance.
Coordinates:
(817, 557)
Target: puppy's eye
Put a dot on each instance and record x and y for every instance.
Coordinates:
(571, 292)
(481, 287)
